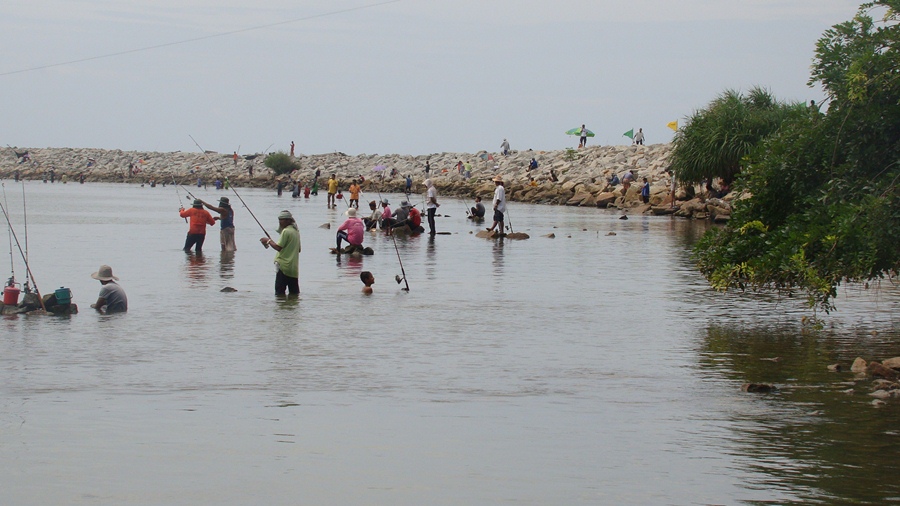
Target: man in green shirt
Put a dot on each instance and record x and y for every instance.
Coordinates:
(288, 256)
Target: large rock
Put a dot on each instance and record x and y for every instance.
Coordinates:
(604, 199)
(893, 363)
(859, 365)
(876, 370)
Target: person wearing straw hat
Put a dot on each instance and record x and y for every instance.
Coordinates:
(200, 218)
(226, 223)
(287, 257)
(352, 230)
(112, 297)
(431, 205)
(499, 204)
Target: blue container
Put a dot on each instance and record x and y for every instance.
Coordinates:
(63, 295)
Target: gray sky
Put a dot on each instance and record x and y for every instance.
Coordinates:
(408, 76)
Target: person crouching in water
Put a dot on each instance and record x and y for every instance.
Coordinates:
(352, 231)
(288, 256)
(368, 279)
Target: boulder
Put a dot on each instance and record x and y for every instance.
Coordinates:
(603, 200)
(893, 363)
(876, 370)
(760, 388)
(859, 365)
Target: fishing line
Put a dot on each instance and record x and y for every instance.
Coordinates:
(25, 257)
(238, 195)
(177, 195)
(402, 270)
(12, 264)
(197, 39)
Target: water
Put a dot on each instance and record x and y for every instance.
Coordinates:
(584, 369)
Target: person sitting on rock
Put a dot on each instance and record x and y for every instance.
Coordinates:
(352, 231)
(477, 209)
(372, 221)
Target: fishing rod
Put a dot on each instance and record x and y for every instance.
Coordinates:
(177, 195)
(238, 195)
(24, 257)
(12, 263)
(396, 249)
(25, 220)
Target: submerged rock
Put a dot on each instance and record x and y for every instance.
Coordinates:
(758, 388)
(228, 289)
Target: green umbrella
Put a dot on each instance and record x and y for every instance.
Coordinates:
(577, 131)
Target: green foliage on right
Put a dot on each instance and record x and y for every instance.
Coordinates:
(714, 141)
(281, 163)
(825, 205)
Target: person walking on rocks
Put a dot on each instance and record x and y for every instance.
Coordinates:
(199, 219)
(431, 205)
(287, 257)
(583, 139)
(226, 223)
(504, 146)
(427, 167)
(112, 297)
(639, 137)
(499, 205)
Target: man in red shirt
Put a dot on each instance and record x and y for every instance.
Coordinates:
(200, 218)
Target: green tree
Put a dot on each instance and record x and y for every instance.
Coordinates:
(715, 140)
(825, 208)
(281, 163)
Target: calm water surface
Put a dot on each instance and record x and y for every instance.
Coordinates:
(585, 369)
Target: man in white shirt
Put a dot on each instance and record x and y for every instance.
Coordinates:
(431, 205)
(499, 204)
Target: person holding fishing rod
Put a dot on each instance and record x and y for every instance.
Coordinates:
(499, 204)
(226, 222)
(287, 257)
(200, 218)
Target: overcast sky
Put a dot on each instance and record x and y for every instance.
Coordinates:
(406, 76)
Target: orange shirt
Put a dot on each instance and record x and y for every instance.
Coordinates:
(354, 192)
(200, 218)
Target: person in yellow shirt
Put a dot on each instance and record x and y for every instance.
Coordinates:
(354, 194)
(332, 190)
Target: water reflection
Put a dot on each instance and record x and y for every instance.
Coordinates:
(226, 264)
(819, 435)
(196, 269)
(497, 256)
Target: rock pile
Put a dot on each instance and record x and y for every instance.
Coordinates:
(564, 177)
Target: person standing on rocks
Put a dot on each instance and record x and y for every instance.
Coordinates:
(645, 192)
(582, 142)
(287, 257)
(499, 205)
(200, 218)
(504, 146)
(226, 223)
(431, 205)
(427, 167)
(639, 137)
(292, 149)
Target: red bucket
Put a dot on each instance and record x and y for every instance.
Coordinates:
(10, 296)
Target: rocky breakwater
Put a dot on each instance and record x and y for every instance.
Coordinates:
(582, 177)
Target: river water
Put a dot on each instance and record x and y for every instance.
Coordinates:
(588, 368)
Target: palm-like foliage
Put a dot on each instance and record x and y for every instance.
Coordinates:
(715, 139)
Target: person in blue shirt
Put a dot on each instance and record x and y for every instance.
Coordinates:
(645, 192)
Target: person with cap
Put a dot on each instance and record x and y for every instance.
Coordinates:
(200, 218)
(372, 221)
(351, 230)
(504, 146)
(477, 209)
(287, 257)
(499, 204)
(112, 297)
(431, 205)
(387, 219)
(226, 223)
(401, 215)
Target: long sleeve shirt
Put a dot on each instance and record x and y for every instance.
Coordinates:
(200, 218)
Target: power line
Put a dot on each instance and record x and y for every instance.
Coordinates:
(196, 39)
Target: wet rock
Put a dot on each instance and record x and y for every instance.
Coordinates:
(878, 403)
(859, 365)
(228, 289)
(611, 233)
(893, 363)
(325, 225)
(881, 394)
(550, 236)
(883, 384)
(517, 236)
(623, 217)
(876, 370)
(604, 199)
(834, 368)
(758, 388)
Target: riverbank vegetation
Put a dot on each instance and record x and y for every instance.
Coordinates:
(825, 207)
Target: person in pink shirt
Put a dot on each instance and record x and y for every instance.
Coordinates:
(352, 230)
(387, 219)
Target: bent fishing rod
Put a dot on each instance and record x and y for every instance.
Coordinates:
(402, 270)
(175, 186)
(24, 257)
(238, 195)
